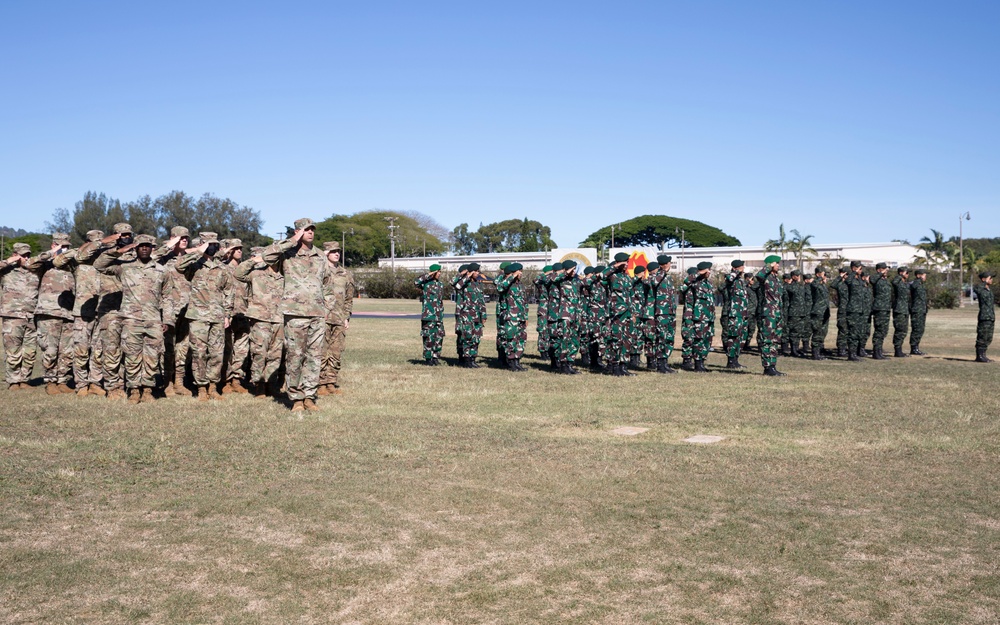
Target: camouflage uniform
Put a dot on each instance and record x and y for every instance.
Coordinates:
(985, 320)
(597, 316)
(266, 287)
(881, 310)
(512, 319)
(918, 314)
(739, 309)
(144, 286)
(308, 286)
(752, 310)
(473, 316)
(702, 317)
(87, 370)
(799, 306)
(620, 311)
(109, 326)
(664, 317)
(338, 316)
(856, 317)
(868, 301)
(646, 321)
(176, 340)
(210, 308)
(819, 316)
(54, 315)
(17, 309)
(564, 315)
(431, 316)
(770, 289)
(840, 285)
(900, 313)
(238, 332)
(686, 294)
(542, 323)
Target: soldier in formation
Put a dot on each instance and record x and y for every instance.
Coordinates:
(987, 315)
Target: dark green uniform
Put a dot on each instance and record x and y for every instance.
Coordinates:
(770, 291)
(665, 317)
(431, 315)
(918, 314)
(881, 310)
(987, 317)
(799, 305)
(843, 297)
(819, 315)
(512, 320)
(857, 319)
(900, 313)
(737, 312)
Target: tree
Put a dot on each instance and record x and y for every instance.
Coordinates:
(370, 240)
(939, 251)
(462, 241)
(800, 246)
(778, 245)
(511, 235)
(660, 231)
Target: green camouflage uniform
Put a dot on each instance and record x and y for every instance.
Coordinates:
(308, 286)
(702, 317)
(54, 317)
(431, 315)
(686, 294)
(840, 285)
(881, 310)
(819, 315)
(209, 308)
(752, 313)
(19, 288)
(986, 318)
(267, 333)
(770, 291)
(339, 313)
(866, 325)
(473, 317)
(619, 286)
(665, 313)
(857, 319)
(598, 316)
(900, 311)
(512, 317)
(564, 317)
(144, 287)
(918, 312)
(542, 323)
(737, 306)
(799, 306)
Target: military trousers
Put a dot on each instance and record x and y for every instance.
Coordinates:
(142, 346)
(665, 329)
(511, 336)
(843, 333)
(432, 335)
(880, 321)
(616, 352)
(819, 326)
(917, 323)
(110, 345)
(208, 345)
(597, 337)
(266, 342)
(900, 324)
(702, 332)
(176, 350)
(542, 328)
(736, 334)
(751, 320)
(769, 330)
(19, 345)
(857, 325)
(687, 323)
(469, 335)
(798, 328)
(86, 366)
(334, 341)
(237, 347)
(566, 340)
(55, 342)
(303, 352)
(984, 333)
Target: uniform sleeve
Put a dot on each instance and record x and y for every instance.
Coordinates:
(66, 260)
(349, 293)
(243, 271)
(186, 261)
(228, 286)
(108, 263)
(274, 253)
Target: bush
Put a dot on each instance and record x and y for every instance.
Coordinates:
(942, 297)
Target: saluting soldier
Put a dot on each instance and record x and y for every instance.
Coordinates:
(87, 374)
(900, 310)
(542, 319)
(770, 288)
(738, 305)
(620, 312)
(987, 315)
(17, 310)
(431, 313)
(54, 315)
(512, 316)
(881, 309)
(267, 333)
(338, 320)
(702, 316)
(176, 341)
(238, 332)
(819, 315)
(686, 294)
(918, 310)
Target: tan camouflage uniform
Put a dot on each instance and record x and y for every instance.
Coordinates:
(18, 298)
(54, 315)
(109, 327)
(337, 317)
(308, 285)
(266, 288)
(176, 344)
(86, 367)
(238, 332)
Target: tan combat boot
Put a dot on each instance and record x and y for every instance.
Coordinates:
(298, 406)
(134, 395)
(82, 390)
(181, 390)
(168, 390)
(213, 392)
(64, 388)
(147, 395)
(203, 393)
(335, 390)
(96, 391)
(310, 404)
(52, 389)
(321, 391)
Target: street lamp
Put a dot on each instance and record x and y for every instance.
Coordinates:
(961, 257)
(613, 226)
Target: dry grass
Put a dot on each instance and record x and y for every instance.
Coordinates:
(842, 494)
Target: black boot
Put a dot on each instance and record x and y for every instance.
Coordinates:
(633, 361)
(981, 355)
(687, 364)
(842, 352)
(699, 366)
(786, 348)
(502, 357)
(585, 359)
(666, 366)
(899, 353)
(877, 353)
(733, 363)
(852, 355)
(429, 362)
(772, 372)
(625, 371)
(915, 351)
(818, 353)
(569, 368)
(862, 353)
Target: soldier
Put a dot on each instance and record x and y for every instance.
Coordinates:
(144, 287)
(900, 310)
(54, 315)
(176, 344)
(597, 343)
(463, 270)
(17, 312)
(338, 320)
(238, 332)
(109, 328)
(542, 321)
(819, 314)
(752, 309)
(987, 315)
(856, 318)
(87, 374)
(641, 329)
(769, 325)
(799, 305)
(665, 311)
(308, 286)
(620, 312)
(702, 316)
(843, 297)
(786, 328)
(735, 289)
(266, 286)
(473, 316)
(210, 312)
(918, 310)
(881, 309)
(686, 294)
(868, 301)
(565, 316)
(512, 316)
(431, 313)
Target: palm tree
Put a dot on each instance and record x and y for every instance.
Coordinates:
(800, 246)
(778, 245)
(939, 251)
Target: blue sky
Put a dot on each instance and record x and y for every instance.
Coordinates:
(851, 121)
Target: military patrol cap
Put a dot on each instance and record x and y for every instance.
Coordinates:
(180, 231)
(902, 269)
(234, 243)
(599, 268)
(786, 276)
(795, 272)
(736, 263)
(208, 237)
(473, 266)
(808, 277)
(621, 257)
(305, 222)
(331, 246)
(22, 248)
(653, 266)
(225, 243)
(703, 265)
(255, 250)
(434, 267)
(773, 258)
(881, 266)
(820, 270)
(692, 271)
(843, 269)
(919, 272)
(639, 269)
(546, 268)
(123, 228)
(856, 263)
(985, 274)
(145, 239)
(94, 235)
(61, 238)
(195, 242)
(663, 259)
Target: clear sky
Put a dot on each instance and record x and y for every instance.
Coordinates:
(851, 121)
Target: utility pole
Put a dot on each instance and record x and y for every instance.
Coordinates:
(682, 233)
(392, 241)
(961, 257)
(613, 226)
(343, 246)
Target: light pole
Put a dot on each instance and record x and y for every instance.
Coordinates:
(392, 241)
(682, 233)
(961, 257)
(343, 246)
(613, 226)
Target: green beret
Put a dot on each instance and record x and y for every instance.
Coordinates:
(795, 272)
(509, 269)
(504, 264)
(568, 264)
(600, 268)
(692, 271)
(434, 267)
(621, 257)
(653, 266)
(557, 266)
(588, 270)
(704, 265)
(773, 258)
(517, 266)
(473, 266)
(462, 268)
(663, 259)
(881, 266)
(639, 269)
(736, 263)
(546, 268)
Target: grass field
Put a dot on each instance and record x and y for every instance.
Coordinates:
(843, 493)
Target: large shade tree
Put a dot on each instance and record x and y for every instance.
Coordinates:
(511, 235)
(365, 235)
(660, 231)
